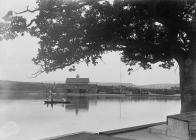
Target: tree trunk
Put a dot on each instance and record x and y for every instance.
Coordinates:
(188, 85)
(188, 78)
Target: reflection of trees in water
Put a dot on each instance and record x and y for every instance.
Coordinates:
(82, 103)
(153, 98)
(78, 103)
(136, 98)
(51, 105)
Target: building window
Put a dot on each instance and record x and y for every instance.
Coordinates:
(82, 90)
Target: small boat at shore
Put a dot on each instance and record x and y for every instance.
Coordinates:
(56, 102)
(52, 98)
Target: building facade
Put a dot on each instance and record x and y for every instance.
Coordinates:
(79, 85)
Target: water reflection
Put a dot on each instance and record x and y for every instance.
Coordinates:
(78, 103)
(81, 103)
(86, 113)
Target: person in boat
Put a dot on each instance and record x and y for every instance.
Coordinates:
(52, 95)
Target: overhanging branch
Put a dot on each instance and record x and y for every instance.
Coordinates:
(31, 23)
(27, 10)
(37, 73)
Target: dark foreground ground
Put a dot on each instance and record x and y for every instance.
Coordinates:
(133, 133)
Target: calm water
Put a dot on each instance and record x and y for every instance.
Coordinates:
(31, 119)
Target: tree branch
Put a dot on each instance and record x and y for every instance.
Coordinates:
(34, 75)
(27, 10)
(31, 22)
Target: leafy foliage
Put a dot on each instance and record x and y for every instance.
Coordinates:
(75, 31)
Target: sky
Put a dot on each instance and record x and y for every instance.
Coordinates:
(16, 61)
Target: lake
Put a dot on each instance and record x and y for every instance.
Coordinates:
(31, 119)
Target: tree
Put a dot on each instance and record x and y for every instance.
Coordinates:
(145, 32)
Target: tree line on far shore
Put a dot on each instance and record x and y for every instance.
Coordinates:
(11, 89)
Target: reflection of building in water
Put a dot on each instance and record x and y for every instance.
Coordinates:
(78, 104)
(79, 85)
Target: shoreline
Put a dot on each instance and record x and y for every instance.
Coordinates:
(43, 95)
(120, 95)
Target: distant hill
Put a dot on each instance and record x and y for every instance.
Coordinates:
(16, 86)
(159, 86)
(115, 84)
(151, 86)
(16, 89)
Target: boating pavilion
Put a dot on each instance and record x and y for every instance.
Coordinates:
(80, 85)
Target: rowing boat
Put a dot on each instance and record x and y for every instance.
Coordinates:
(56, 102)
